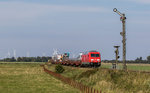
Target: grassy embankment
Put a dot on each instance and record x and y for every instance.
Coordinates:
(109, 81)
(29, 78)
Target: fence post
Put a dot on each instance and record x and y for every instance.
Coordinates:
(91, 90)
(100, 91)
(73, 83)
(81, 88)
(76, 85)
(84, 88)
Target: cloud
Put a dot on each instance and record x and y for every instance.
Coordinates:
(13, 12)
(135, 1)
(141, 1)
(60, 8)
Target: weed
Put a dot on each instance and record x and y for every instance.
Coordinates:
(59, 69)
(87, 73)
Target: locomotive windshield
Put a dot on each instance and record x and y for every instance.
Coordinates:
(94, 55)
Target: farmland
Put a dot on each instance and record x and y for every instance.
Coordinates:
(135, 67)
(29, 78)
(109, 81)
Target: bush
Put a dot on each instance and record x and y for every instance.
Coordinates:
(59, 69)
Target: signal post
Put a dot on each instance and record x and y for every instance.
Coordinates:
(123, 34)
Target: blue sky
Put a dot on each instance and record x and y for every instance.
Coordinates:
(39, 26)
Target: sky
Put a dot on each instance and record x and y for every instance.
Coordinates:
(37, 27)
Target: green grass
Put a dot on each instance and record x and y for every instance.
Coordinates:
(109, 81)
(137, 67)
(22, 62)
(142, 67)
(30, 78)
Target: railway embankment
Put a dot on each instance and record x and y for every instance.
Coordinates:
(110, 81)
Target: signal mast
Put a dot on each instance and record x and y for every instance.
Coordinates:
(123, 34)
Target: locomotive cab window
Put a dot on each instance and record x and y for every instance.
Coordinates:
(94, 55)
(97, 55)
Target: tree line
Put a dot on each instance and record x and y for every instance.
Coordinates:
(45, 59)
(27, 59)
(137, 60)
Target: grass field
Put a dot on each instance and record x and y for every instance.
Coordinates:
(109, 81)
(137, 67)
(29, 78)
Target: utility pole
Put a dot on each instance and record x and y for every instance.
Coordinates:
(123, 34)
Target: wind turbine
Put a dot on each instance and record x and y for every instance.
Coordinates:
(14, 53)
(8, 54)
(44, 54)
(28, 53)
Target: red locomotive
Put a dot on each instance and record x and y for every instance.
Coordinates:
(91, 58)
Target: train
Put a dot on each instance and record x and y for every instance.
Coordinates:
(88, 59)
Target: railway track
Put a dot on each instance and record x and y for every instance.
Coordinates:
(75, 64)
(93, 67)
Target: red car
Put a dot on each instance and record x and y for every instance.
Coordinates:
(91, 58)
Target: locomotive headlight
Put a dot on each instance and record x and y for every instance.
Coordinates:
(98, 59)
(92, 59)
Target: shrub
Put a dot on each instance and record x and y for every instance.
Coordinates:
(59, 69)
